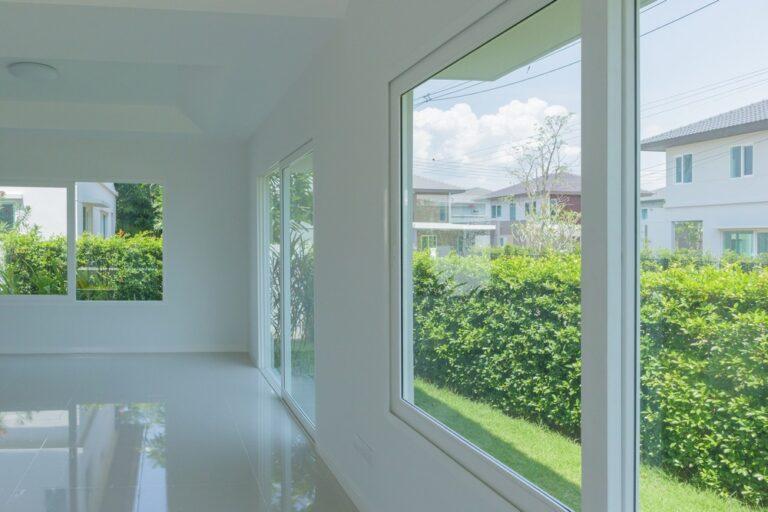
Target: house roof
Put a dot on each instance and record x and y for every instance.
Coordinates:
(427, 186)
(565, 183)
(747, 119)
(472, 195)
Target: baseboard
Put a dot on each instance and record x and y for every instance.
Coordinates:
(349, 487)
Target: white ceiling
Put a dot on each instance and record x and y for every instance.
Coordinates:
(210, 67)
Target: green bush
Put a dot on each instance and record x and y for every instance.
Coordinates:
(120, 267)
(514, 342)
(31, 265)
(116, 268)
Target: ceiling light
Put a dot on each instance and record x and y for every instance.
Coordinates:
(35, 71)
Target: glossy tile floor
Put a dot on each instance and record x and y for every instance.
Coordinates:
(162, 433)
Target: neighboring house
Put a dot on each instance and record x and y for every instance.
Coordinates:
(716, 193)
(512, 204)
(96, 205)
(437, 228)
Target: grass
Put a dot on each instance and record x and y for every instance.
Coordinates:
(552, 461)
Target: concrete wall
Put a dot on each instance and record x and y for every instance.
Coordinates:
(205, 305)
(342, 103)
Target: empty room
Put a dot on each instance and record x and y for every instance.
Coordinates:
(383, 256)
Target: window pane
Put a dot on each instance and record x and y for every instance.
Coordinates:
(688, 168)
(703, 320)
(122, 261)
(747, 160)
(302, 275)
(33, 241)
(275, 268)
(492, 330)
(762, 243)
(736, 162)
(679, 169)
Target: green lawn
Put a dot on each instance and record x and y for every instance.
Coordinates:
(551, 460)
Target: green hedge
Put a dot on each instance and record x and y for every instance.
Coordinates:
(514, 343)
(116, 268)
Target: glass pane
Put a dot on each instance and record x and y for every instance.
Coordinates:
(33, 241)
(492, 307)
(747, 160)
(703, 317)
(123, 261)
(302, 271)
(688, 168)
(679, 169)
(275, 268)
(762, 243)
(736, 162)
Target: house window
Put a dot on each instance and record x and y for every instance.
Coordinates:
(427, 242)
(443, 213)
(105, 224)
(762, 243)
(688, 235)
(128, 267)
(739, 242)
(87, 219)
(464, 362)
(7, 216)
(741, 161)
(684, 169)
(644, 213)
(513, 211)
(33, 240)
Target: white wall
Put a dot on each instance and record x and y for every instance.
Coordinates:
(205, 248)
(342, 102)
(48, 207)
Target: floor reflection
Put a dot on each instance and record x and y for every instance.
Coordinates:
(197, 434)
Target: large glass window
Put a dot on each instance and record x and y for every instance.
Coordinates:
(703, 317)
(491, 332)
(33, 240)
(121, 260)
(289, 244)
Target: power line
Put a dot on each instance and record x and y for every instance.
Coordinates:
(680, 18)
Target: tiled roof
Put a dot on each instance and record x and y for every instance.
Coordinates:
(565, 183)
(425, 185)
(748, 119)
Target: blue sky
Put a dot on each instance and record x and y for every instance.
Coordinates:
(710, 61)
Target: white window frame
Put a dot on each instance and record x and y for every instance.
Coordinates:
(742, 166)
(681, 157)
(280, 382)
(610, 293)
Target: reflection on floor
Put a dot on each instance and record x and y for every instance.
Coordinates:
(191, 433)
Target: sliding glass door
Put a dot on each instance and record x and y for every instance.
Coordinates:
(288, 341)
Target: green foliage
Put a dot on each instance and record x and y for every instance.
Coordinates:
(139, 208)
(32, 265)
(117, 268)
(120, 268)
(511, 338)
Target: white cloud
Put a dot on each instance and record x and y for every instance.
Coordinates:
(457, 141)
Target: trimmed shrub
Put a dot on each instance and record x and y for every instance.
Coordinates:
(31, 265)
(514, 342)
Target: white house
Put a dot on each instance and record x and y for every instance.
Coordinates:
(716, 193)
(95, 208)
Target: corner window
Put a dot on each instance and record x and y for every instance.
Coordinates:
(33, 240)
(741, 161)
(491, 357)
(121, 261)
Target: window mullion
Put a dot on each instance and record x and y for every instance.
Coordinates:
(285, 278)
(608, 260)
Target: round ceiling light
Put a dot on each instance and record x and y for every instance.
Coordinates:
(36, 71)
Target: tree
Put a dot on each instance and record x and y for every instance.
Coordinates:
(139, 208)
(540, 165)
